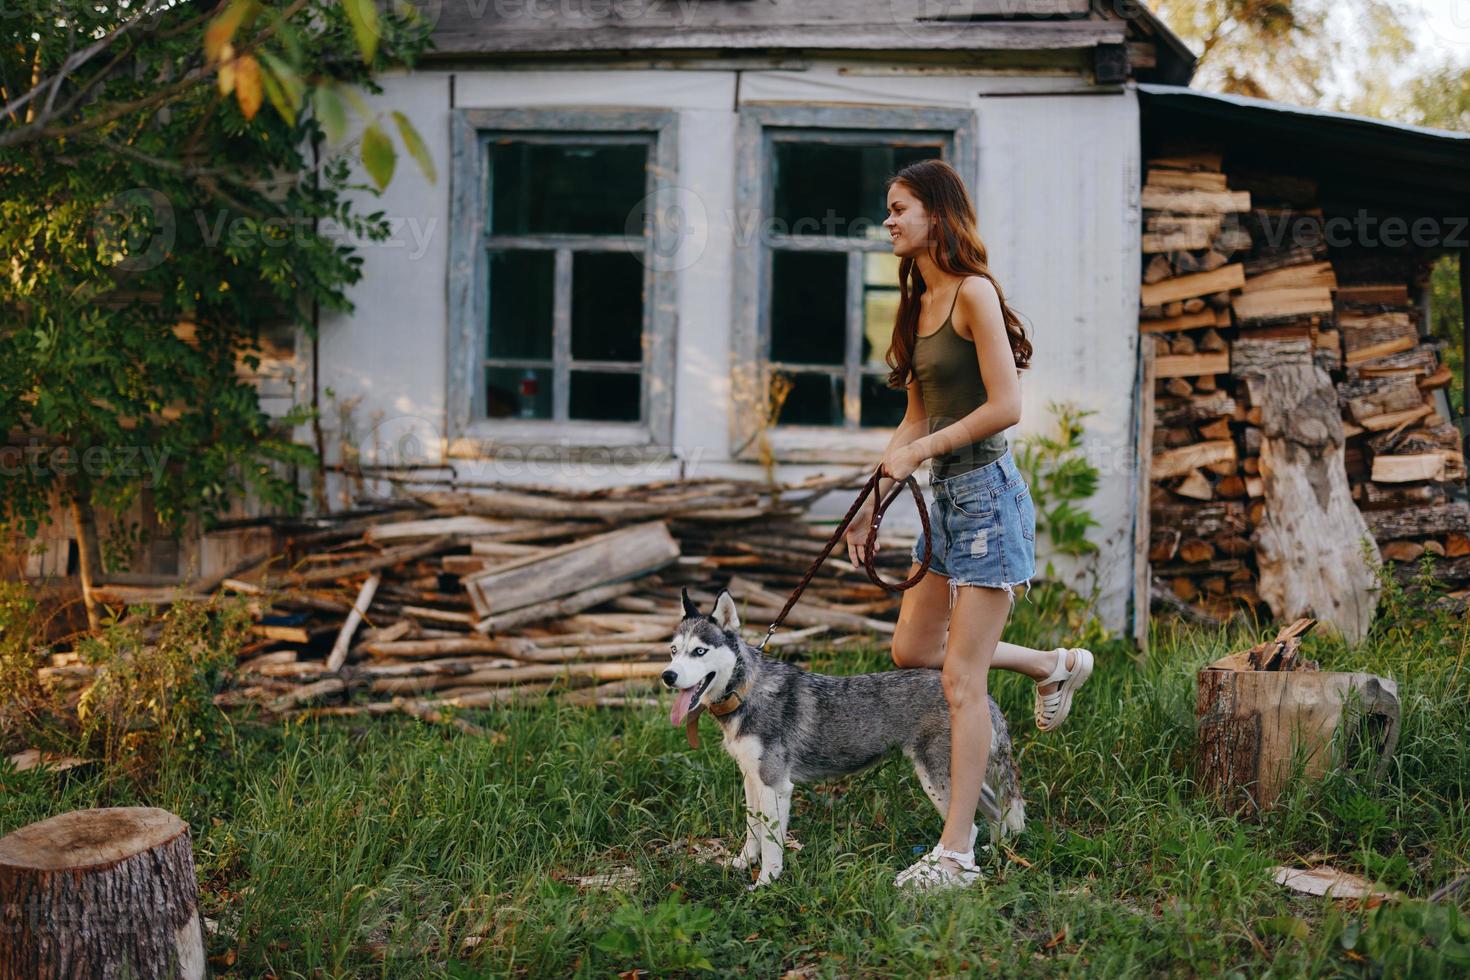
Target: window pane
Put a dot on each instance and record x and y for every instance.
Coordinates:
(809, 307)
(593, 189)
(813, 399)
(520, 304)
(834, 188)
(880, 269)
(880, 309)
(518, 392)
(882, 406)
(607, 306)
(606, 397)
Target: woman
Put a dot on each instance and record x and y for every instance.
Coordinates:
(961, 370)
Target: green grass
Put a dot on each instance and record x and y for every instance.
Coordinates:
(374, 848)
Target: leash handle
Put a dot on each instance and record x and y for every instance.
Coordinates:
(868, 558)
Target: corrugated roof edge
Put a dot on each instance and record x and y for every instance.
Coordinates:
(1248, 102)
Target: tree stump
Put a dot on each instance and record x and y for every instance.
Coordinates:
(1251, 722)
(100, 893)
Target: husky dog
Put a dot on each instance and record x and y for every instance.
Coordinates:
(786, 725)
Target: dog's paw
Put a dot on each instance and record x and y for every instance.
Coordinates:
(737, 861)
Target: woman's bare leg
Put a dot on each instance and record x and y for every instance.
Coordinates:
(924, 618)
(979, 616)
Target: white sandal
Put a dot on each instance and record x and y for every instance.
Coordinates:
(930, 874)
(1052, 709)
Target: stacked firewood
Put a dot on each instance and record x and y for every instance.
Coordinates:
(473, 598)
(1403, 455)
(1237, 276)
(1205, 484)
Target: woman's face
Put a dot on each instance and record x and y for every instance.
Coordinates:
(907, 222)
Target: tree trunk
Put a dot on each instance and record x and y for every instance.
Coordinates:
(1308, 543)
(84, 523)
(1252, 721)
(100, 893)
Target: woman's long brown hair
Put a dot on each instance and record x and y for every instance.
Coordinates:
(958, 250)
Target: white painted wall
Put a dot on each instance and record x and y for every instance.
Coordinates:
(1057, 203)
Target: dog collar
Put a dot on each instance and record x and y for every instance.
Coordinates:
(722, 707)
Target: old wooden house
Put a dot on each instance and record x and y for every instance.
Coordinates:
(655, 250)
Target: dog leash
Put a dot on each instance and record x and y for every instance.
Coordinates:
(868, 557)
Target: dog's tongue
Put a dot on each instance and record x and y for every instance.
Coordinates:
(681, 705)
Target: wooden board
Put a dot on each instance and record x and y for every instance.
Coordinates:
(1178, 462)
(1270, 304)
(1226, 277)
(1183, 201)
(1191, 365)
(604, 558)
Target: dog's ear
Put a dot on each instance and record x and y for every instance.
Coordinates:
(690, 609)
(724, 615)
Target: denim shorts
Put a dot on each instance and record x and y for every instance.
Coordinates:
(984, 527)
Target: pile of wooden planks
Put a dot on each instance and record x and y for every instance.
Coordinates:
(473, 598)
(1238, 280)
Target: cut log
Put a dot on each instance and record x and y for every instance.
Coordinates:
(1178, 462)
(1197, 284)
(1409, 469)
(1251, 723)
(1196, 486)
(1191, 365)
(1185, 321)
(1197, 180)
(602, 559)
(1307, 544)
(1389, 294)
(1224, 517)
(100, 893)
(1402, 550)
(1310, 275)
(1419, 522)
(1198, 409)
(1267, 305)
(1183, 201)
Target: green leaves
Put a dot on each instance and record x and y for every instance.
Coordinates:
(283, 86)
(364, 19)
(415, 145)
(331, 112)
(378, 155)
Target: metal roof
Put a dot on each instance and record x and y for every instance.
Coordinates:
(1358, 161)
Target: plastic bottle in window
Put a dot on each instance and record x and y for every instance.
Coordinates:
(528, 394)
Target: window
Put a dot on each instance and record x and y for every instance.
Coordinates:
(561, 307)
(816, 278)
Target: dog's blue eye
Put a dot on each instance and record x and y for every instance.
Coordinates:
(700, 651)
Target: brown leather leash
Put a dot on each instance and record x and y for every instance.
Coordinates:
(868, 558)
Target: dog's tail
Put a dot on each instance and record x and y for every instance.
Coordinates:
(1008, 795)
(1013, 810)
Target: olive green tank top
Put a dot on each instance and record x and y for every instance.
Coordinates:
(949, 380)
